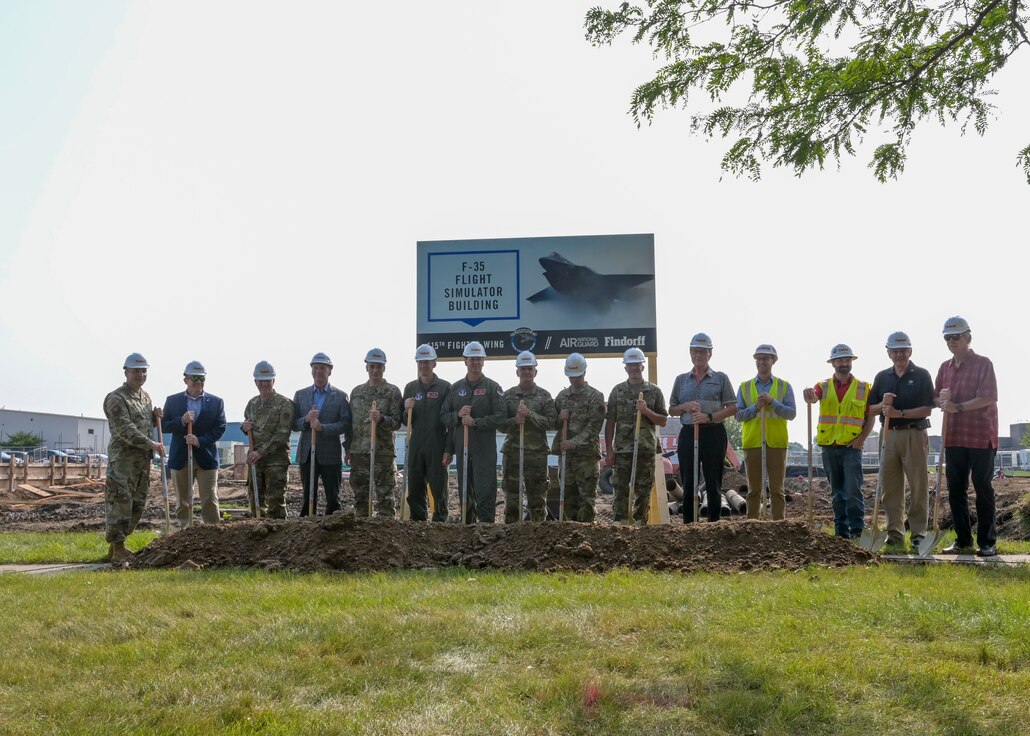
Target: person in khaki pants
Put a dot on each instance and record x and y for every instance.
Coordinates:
(904, 392)
(776, 397)
(205, 413)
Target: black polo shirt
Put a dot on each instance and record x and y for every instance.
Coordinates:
(913, 390)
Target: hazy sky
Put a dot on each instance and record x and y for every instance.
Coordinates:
(237, 181)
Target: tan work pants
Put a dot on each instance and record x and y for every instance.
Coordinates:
(205, 480)
(776, 464)
(905, 458)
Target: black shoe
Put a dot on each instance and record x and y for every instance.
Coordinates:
(958, 549)
(914, 543)
(989, 551)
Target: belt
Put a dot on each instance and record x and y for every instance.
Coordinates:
(917, 425)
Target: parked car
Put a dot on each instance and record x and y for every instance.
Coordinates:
(5, 457)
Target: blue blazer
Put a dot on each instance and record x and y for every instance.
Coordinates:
(336, 422)
(208, 428)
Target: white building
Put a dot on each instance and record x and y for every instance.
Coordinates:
(59, 431)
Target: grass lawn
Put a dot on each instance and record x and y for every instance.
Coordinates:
(907, 650)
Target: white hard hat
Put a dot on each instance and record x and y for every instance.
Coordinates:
(575, 365)
(375, 355)
(633, 355)
(474, 350)
(425, 352)
(765, 349)
(955, 326)
(135, 360)
(701, 340)
(526, 359)
(898, 341)
(841, 351)
(264, 371)
(321, 359)
(194, 368)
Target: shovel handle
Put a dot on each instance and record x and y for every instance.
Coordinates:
(811, 488)
(164, 482)
(312, 484)
(253, 478)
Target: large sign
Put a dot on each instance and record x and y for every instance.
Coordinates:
(589, 294)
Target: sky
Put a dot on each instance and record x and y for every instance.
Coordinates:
(239, 181)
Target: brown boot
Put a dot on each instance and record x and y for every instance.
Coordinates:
(119, 554)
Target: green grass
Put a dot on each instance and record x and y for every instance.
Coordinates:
(890, 649)
(33, 548)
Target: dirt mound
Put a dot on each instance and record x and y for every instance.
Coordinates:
(347, 544)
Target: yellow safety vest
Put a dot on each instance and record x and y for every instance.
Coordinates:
(840, 422)
(775, 427)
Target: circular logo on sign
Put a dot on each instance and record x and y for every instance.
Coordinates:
(463, 391)
(418, 396)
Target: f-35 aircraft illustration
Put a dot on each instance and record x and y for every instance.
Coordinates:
(582, 284)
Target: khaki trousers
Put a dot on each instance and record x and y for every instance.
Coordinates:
(205, 480)
(776, 464)
(905, 457)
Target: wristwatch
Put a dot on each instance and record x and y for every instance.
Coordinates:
(709, 414)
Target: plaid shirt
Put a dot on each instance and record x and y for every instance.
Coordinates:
(974, 378)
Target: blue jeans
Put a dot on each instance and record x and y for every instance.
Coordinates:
(843, 466)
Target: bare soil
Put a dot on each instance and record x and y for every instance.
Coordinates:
(344, 543)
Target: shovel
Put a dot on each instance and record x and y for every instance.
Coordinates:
(372, 461)
(697, 488)
(633, 466)
(561, 484)
(164, 481)
(253, 479)
(313, 484)
(189, 475)
(465, 473)
(811, 488)
(522, 468)
(765, 471)
(405, 507)
(872, 538)
(930, 541)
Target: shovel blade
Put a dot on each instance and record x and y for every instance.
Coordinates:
(928, 543)
(872, 539)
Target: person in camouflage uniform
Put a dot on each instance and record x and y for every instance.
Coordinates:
(582, 406)
(619, 428)
(270, 416)
(386, 419)
(531, 407)
(427, 456)
(476, 402)
(132, 418)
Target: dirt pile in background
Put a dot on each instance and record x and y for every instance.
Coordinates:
(347, 544)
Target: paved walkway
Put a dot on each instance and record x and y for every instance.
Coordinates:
(998, 560)
(42, 569)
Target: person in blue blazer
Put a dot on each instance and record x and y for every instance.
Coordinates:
(206, 412)
(326, 409)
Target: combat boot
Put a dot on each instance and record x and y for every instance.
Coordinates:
(119, 554)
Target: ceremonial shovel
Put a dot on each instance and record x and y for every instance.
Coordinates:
(930, 540)
(872, 538)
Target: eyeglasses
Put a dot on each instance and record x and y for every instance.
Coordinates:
(952, 338)
(196, 379)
